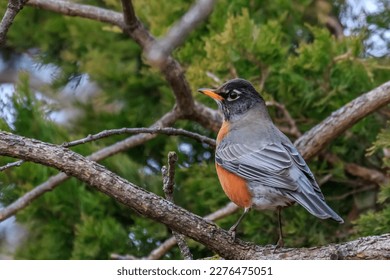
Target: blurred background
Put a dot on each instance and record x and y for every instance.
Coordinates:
(62, 78)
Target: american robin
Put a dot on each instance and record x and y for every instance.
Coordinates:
(257, 165)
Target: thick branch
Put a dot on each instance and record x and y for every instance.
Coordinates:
(173, 216)
(322, 134)
(13, 8)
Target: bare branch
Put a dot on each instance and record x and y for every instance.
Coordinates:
(78, 10)
(352, 192)
(322, 134)
(175, 217)
(169, 183)
(13, 8)
(178, 33)
(368, 174)
(168, 131)
(214, 77)
(11, 164)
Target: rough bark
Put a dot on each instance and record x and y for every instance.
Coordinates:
(175, 217)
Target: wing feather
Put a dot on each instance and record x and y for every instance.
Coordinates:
(277, 165)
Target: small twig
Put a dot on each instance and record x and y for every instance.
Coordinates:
(325, 179)
(343, 56)
(158, 130)
(169, 183)
(264, 75)
(13, 8)
(11, 164)
(214, 77)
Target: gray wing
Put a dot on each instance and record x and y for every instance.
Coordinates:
(277, 165)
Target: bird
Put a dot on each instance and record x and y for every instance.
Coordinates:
(257, 165)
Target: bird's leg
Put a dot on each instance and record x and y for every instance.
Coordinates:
(232, 230)
(280, 242)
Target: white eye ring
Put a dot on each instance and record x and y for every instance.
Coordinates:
(233, 95)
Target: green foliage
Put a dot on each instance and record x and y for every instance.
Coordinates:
(282, 46)
(378, 222)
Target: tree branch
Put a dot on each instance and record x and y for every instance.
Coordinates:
(165, 130)
(13, 8)
(170, 68)
(79, 10)
(367, 174)
(325, 132)
(175, 217)
(11, 164)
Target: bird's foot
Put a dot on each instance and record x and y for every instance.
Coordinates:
(232, 232)
(279, 244)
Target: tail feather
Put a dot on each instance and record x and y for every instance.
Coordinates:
(316, 206)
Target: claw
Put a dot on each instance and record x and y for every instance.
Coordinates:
(232, 232)
(279, 244)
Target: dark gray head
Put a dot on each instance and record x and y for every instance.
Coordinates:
(234, 97)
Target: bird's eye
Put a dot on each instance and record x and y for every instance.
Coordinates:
(232, 95)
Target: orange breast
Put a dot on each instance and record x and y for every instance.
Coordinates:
(222, 131)
(234, 187)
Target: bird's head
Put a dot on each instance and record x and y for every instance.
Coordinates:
(234, 97)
